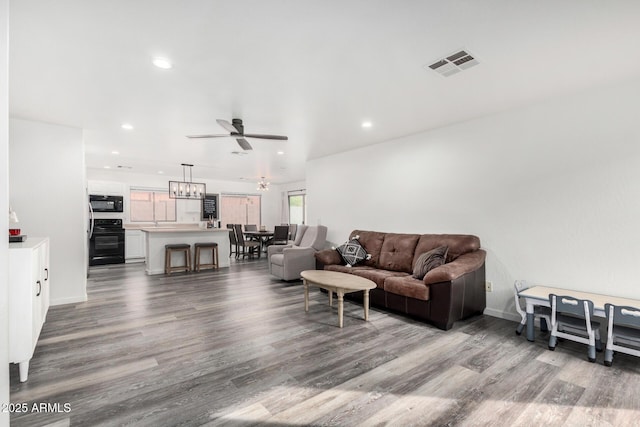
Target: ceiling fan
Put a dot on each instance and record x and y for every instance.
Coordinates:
(236, 130)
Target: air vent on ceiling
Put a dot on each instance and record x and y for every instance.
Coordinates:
(454, 63)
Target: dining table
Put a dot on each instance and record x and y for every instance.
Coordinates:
(262, 236)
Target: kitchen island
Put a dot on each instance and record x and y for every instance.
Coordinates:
(156, 237)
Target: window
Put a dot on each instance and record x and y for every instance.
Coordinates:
(151, 206)
(297, 208)
(240, 209)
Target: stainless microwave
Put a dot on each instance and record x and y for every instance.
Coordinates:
(106, 203)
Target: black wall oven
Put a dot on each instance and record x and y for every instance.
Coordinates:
(106, 242)
(106, 203)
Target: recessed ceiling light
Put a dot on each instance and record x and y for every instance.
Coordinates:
(160, 172)
(127, 126)
(107, 167)
(115, 152)
(281, 152)
(367, 124)
(163, 63)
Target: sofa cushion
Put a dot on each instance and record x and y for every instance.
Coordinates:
(429, 260)
(352, 252)
(371, 241)
(345, 269)
(373, 274)
(458, 244)
(277, 259)
(407, 286)
(397, 253)
(309, 237)
(378, 276)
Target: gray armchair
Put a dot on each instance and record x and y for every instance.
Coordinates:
(288, 261)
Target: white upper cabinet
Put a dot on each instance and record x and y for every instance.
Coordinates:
(106, 188)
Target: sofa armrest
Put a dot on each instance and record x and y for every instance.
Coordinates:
(465, 263)
(295, 260)
(329, 257)
(293, 253)
(276, 249)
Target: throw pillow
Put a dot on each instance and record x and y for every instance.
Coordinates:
(430, 260)
(352, 252)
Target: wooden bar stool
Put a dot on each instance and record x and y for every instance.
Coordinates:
(179, 247)
(214, 255)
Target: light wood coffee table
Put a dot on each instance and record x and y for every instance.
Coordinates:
(340, 283)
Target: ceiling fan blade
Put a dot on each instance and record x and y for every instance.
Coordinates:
(228, 126)
(207, 136)
(256, 135)
(244, 144)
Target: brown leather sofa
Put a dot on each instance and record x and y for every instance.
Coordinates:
(450, 292)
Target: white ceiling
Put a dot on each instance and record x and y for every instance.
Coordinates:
(310, 69)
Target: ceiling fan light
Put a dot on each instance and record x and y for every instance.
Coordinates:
(262, 185)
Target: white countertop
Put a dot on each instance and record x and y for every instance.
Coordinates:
(139, 226)
(29, 243)
(184, 230)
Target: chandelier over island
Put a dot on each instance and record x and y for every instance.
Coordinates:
(187, 189)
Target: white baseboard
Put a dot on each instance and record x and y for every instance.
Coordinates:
(69, 300)
(501, 314)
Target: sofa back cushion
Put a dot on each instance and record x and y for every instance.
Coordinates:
(314, 237)
(300, 234)
(371, 241)
(458, 244)
(397, 252)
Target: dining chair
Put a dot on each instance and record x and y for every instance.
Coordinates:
(280, 235)
(249, 247)
(571, 319)
(623, 331)
(252, 227)
(542, 313)
(233, 243)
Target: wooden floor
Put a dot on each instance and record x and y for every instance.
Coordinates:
(235, 347)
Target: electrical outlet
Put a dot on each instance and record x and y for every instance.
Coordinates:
(488, 286)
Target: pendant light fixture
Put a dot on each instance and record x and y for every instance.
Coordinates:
(187, 189)
(262, 185)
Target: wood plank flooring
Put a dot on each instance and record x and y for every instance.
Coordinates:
(235, 348)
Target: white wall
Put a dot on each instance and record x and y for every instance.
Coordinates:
(4, 207)
(47, 191)
(552, 190)
(282, 193)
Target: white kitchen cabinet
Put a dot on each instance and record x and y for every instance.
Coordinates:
(106, 188)
(134, 247)
(29, 288)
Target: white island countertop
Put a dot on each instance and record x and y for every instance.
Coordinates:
(157, 237)
(184, 230)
